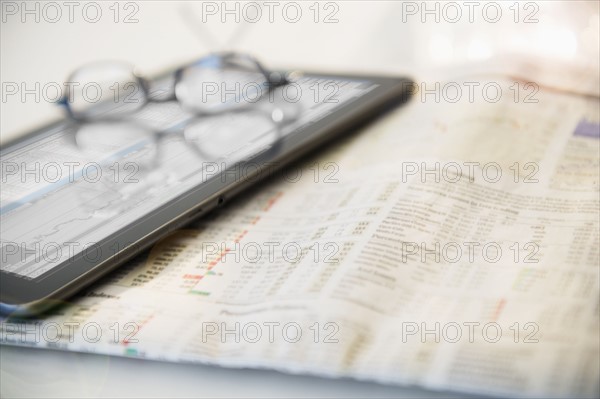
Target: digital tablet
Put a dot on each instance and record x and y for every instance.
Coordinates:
(76, 202)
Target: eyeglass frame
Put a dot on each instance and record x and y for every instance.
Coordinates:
(144, 84)
(273, 80)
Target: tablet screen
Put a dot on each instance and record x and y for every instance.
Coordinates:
(67, 188)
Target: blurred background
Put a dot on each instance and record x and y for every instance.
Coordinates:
(42, 42)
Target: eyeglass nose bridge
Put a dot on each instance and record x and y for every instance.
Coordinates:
(64, 103)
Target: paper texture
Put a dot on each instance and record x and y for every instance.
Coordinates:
(400, 255)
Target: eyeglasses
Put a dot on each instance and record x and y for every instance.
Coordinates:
(212, 102)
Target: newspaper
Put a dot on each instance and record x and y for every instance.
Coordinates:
(452, 245)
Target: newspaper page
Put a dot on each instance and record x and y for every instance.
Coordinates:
(452, 245)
